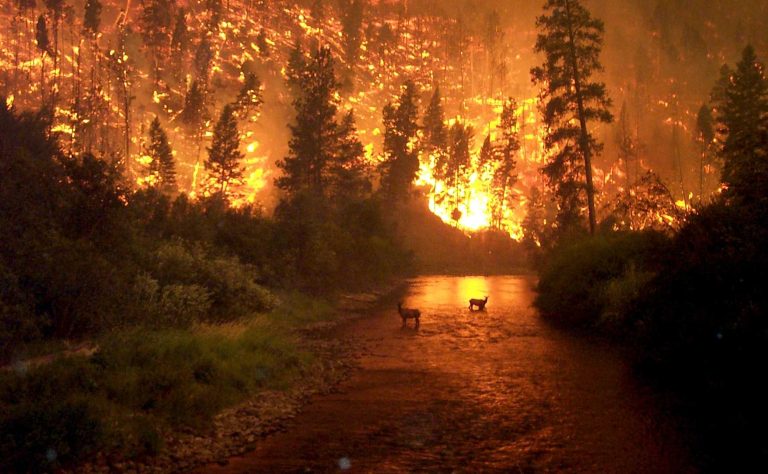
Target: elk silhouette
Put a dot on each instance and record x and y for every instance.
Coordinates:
(480, 304)
(407, 313)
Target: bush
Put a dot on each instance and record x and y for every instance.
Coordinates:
(137, 385)
(206, 287)
(704, 321)
(583, 282)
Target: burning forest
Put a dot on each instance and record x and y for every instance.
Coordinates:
(105, 70)
(193, 191)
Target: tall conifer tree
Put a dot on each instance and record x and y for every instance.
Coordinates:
(571, 41)
(162, 166)
(315, 131)
(225, 170)
(401, 161)
(741, 102)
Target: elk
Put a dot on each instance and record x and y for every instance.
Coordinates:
(407, 314)
(480, 304)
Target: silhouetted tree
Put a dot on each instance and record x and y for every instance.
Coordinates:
(194, 112)
(435, 132)
(179, 43)
(122, 66)
(348, 171)
(504, 176)
(401, 161)
(351, 27)
(296, 68)
(92, 17)
(313, 143)
(535, 226)
(249, 99)
(261, 43)
(225, 171)
(203, 58)
(156, 21)
(571, 41)
(493, 37)
(162, 168)
(459, 161)
(741, 103)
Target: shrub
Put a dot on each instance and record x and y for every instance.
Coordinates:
(205, 286)
(137, 385)
(579, 279)
(182, 305)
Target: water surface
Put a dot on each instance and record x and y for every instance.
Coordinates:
(490, 391)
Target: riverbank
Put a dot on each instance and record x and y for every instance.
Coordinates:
(172, 400)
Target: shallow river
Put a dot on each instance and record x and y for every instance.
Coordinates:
(490, 391)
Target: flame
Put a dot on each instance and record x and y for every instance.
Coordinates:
(416, 53)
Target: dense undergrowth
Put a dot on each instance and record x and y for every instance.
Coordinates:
(692, 308)
(140, 384)
(156, 282)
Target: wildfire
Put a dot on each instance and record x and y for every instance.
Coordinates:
(126, 106)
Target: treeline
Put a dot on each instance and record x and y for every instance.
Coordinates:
(691, 303)
(83, 253)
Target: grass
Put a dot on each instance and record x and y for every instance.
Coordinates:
(141, 382)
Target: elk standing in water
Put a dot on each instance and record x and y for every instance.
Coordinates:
(480, 304)
(407, 314)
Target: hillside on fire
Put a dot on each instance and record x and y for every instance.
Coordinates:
(212, 210)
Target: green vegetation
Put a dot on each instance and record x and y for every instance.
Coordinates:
(589, 282)
(137, 385)
(178, 295)
(690, 304)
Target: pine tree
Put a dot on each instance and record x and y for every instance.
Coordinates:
(261, 43)
(92, 18)
(435, 141)
(179, 44)
(249, 99)
(123, 68)
(459, 162)
(504, 176)
(493, 38)
(535, 225)
(203, 58)
(741, 102)
(349, 170)
(571, 41)
(296, 68)
(41, 36)
(401, 161)
(225, 171)
(162, 167)
(156, 19)
(180, 35)
(314, 139)
(194, 112)
(351, 27)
